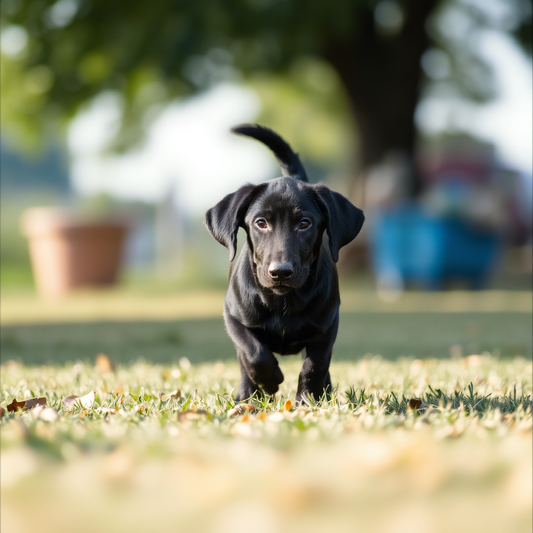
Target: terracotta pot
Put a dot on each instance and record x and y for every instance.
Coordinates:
(68, 252)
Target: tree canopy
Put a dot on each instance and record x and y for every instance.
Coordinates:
(57, 56)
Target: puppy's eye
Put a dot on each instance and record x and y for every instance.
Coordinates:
(304, 223)
(261, 223)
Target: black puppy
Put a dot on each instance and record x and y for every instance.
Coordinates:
(283, 294)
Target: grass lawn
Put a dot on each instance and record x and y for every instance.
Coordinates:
(429, 428)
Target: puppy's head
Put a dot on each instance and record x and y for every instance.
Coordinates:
(284, 227)
(285, 220)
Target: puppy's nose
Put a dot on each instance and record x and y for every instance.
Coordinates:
(280, 271)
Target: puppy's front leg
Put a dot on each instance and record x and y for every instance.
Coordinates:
(259, 366)
(247, 387)
(314, 377)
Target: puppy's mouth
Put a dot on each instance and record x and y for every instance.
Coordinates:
(280, 288)
(283, 287)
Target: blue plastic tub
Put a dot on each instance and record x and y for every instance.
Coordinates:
(409, 245)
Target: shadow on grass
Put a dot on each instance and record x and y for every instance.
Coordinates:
(392, 335)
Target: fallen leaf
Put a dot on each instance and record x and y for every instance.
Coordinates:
(416, 404)
(104, 364)
(175, 394)
(14, 405)
(2, 411)
(287, 406)
(86, 401)
(190, 414)
(34, 402)
(26, 404)
(70, 401)
(240, 409)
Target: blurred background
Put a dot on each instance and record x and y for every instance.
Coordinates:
(115, 140)
(420, 113)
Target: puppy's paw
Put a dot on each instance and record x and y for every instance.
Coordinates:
(240, 396)
(300, 399)
(266, 370)
(270, 388)
(246, 390)
(270, 384)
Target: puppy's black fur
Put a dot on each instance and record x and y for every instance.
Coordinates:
(283, 294)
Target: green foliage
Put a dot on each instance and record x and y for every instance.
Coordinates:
(308, 105)
(70, 51)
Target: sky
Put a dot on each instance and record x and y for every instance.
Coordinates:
(505, 121)
(189, 150)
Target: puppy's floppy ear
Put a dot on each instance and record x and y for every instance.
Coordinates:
(224, 219)
(343, 220)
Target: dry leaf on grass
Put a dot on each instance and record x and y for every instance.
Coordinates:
(26, 404)
(240, 409)
(34, 402)
(190, 414)
(86, 401)
(14, 405)
(416, 404)
(287, 406)
(104, 364)
(175, 394)
(2, 411)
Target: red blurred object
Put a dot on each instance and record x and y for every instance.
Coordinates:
(463, 160)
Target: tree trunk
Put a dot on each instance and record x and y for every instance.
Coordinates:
(382, 76)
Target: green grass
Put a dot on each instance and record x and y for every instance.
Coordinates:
(431, 433)
(390, 335)
(160, 449)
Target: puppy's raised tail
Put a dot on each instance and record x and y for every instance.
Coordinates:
(288, 160)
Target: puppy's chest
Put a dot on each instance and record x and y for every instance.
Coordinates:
(284, 324)
(286, 333)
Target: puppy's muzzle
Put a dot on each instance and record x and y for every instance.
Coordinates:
(280, 272)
